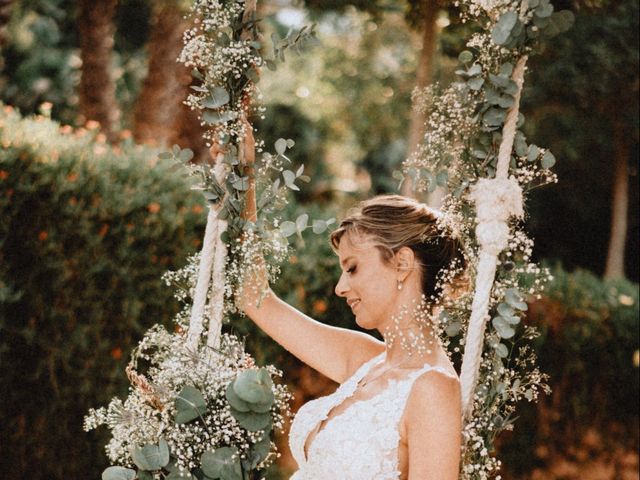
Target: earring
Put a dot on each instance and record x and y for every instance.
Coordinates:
(399, 285)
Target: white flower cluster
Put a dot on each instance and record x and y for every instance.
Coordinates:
(223, 58)
(449, 125)
(148, 413)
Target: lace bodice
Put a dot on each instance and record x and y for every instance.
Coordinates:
(361, 442)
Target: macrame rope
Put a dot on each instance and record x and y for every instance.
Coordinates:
(204, 277)
(216, 299)
(496, 199)
(211, 270)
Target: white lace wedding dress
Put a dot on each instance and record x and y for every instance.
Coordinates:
(360, 443)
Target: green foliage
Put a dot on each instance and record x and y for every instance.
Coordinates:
(589, 337)
(86, 233)
(582, 99)
(190, 404)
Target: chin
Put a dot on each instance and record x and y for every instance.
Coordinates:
(364, 322)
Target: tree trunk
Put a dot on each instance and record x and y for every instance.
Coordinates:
(186, 130)
(162, 93)
(5, 16)
(619, 203)
(97, 87)
(424, 74)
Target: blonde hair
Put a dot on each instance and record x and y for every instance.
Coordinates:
(392, 222)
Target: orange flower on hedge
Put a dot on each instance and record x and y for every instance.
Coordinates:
(4, 174)
(320, 306)
(104, 229)
(197, 209)
(72, 177)
(116, 353)
(153, 207)
(43, 235)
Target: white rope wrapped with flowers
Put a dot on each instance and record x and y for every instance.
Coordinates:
(474, 146)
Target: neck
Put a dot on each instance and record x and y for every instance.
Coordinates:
(410, 334)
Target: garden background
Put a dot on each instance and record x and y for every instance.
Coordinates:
(90, 219)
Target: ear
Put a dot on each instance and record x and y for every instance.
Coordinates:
(405, 262)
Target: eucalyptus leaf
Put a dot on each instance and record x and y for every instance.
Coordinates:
(548, 160)
(532, 153)
(241, 184)
(502, 30)
(465, 56)
(302, 221)
(223, 462)
(506, 69)
(300, 170)
(319, 226)
(475, 69)
(513, 298)
(502, 350)
(442, 177)
(289, 179)
(453, 329)
(254, 386)
(151, 457)
(505, 310)
(118, 473)
(214, 118)
(494, 117)
(544, 10)
(235, 401)
(217, 98)
(520, 145)
(287, 228)
(186, 154)
(252, 421)
(190, 404)
(280, 146)
(502, 327)
(475, 83)
(144, 475)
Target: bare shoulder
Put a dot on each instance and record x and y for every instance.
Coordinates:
(434, 391)
(360, 353)
(433, 427)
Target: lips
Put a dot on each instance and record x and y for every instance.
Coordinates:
(353, 302)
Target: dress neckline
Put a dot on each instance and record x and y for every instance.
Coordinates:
(351, 386)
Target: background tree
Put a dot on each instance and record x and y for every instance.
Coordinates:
(97, 87)
(584, 101)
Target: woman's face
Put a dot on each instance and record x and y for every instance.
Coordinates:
(367, 282)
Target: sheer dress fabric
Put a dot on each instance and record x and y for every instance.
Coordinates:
(360, 443)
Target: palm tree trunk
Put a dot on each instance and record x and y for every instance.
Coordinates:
(424, 74)
(619, 202)
(162, 93)
(97, 87)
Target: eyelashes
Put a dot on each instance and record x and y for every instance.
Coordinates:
(351, 269)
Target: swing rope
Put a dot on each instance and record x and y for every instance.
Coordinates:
(497, 200)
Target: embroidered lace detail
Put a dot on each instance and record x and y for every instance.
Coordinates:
(361, 442)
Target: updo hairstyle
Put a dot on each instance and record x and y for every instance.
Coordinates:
(392, 222)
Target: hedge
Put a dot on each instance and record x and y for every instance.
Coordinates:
(86, 232)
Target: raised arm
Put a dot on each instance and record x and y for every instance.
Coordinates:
(334, 352)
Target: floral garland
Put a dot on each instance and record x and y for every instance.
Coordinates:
(464, 133)
(203, 409)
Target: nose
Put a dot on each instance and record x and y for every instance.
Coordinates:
(342, 287)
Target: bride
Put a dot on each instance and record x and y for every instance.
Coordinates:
(396, 413)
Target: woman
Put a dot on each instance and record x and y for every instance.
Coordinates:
(396, 414)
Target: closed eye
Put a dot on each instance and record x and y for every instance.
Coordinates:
(351, 269)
